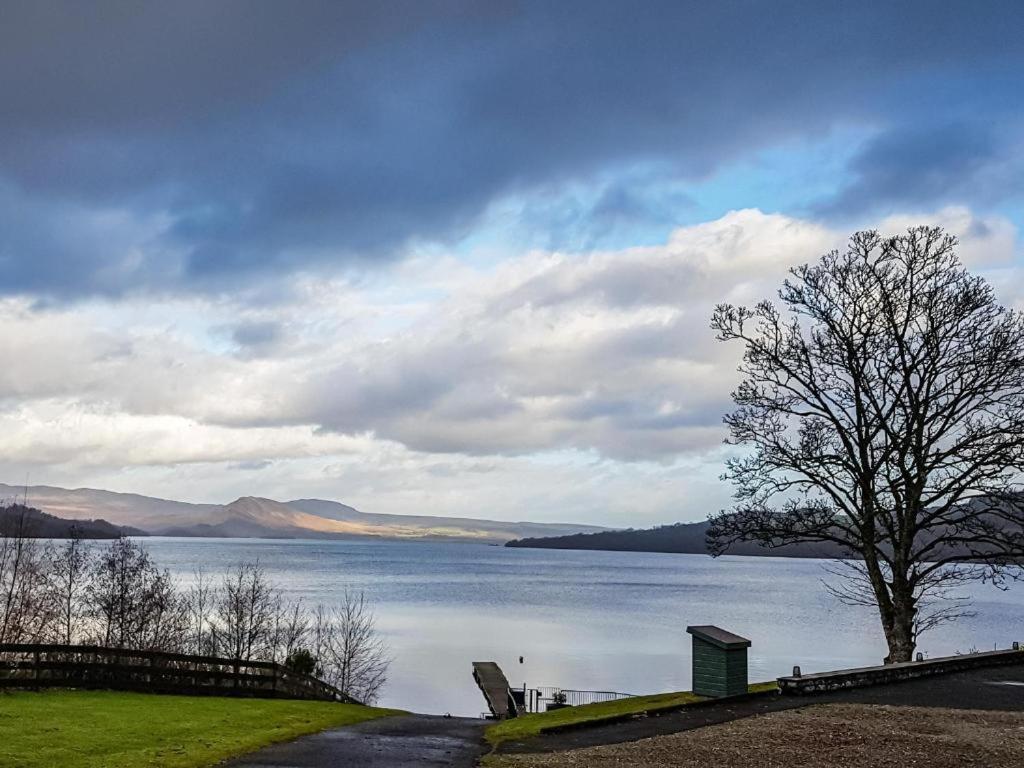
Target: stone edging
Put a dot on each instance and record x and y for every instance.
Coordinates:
(893, 673)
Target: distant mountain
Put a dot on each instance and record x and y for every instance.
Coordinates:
(143, 512)
(443, 527)
(257, 517)
(682, 538)
(36, 524)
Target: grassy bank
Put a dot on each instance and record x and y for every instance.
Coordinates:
(80, 729)
(527, 726)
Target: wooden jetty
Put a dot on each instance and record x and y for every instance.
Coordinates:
(495, 688)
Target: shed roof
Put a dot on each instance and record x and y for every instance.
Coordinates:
(718, 636)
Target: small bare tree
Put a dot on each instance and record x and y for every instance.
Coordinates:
(113, 592)
(351, 654)
(291, 628)
(117, 597)
(884, 414)
(199, 602)
(134, 604)
(165, 619)
(25, 611)
(68, 569)
(244, 614)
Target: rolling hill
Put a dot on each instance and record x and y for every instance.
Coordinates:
(17, 519)
(252, 517)
(689, 538)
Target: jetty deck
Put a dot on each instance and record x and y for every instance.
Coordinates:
(495, 688)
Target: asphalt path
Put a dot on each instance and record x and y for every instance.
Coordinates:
(424, 740)
(388, 742)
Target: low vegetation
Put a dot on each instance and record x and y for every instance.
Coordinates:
(113, 595)
(528, 726)
(131, 730)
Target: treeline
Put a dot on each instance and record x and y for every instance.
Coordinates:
(680, 538)
(80, 592)
(45, 526)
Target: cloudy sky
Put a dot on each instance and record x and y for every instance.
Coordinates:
(455, 257)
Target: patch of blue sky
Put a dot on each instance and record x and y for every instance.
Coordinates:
(642, 204)
(790, 178)
(1013, 210)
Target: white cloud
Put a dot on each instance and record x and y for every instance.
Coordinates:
(986, 242)
(551, 385)
(609, 351)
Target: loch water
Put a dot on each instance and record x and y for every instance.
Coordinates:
(611, 621)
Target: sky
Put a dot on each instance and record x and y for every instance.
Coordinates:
(455, 258)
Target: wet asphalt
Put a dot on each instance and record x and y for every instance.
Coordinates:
(425, 740)
(389, 742)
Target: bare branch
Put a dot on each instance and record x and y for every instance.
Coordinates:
(883, 412)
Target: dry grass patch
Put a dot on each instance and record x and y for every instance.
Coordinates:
(837, 735)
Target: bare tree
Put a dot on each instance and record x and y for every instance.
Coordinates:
(244, 614)
(884, 412)
(117, 597)
(113, 592)
(25, 611)
(164, 624)
(68, 569)
(292, 628)
(351, 654)
(134, 604)
(199, 602)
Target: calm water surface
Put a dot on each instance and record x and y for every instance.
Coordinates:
(588, 620)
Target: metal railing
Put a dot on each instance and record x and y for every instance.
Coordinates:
(538, 698)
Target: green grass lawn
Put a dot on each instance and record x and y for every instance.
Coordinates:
(84, 729)
(526, 726)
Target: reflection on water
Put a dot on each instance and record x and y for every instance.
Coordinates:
(587, 620)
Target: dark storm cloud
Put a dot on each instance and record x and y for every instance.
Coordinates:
(932, 163)
(197, 144)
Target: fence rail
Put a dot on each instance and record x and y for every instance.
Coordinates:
(88, 666)
(538, 698)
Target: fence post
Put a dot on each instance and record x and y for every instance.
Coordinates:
(35, 661)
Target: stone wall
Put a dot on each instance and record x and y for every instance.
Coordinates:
(893, 673)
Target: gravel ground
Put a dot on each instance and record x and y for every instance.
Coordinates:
(835, 735)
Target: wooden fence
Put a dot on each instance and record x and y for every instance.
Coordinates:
(87, 666)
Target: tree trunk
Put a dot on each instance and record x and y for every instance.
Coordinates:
(899, 632)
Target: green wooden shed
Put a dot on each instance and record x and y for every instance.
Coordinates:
(719, 662)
